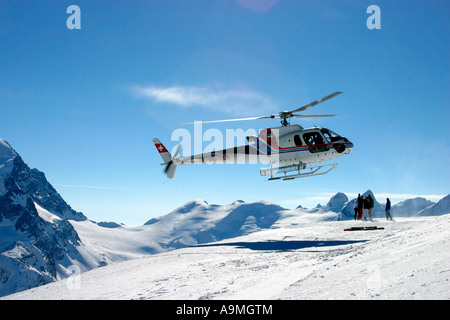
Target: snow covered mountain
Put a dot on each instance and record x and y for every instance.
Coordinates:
(336, 203)
(436, 209)
(198, 222)
(412, 207)
(193, 223)
(37, 242)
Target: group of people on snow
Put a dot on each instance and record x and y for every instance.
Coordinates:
(368, 204)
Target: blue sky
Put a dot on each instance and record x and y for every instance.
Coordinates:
(73, 102)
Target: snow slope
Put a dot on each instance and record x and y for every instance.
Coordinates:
(435, 209)
(193, 223)
(298, 257)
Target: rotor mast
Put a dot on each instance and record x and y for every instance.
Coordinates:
(284, 121)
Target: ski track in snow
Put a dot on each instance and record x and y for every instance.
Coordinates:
(296, 259)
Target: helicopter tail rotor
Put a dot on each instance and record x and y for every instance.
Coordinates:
(170, 166)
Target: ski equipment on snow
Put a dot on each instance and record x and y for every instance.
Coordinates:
(364, 228)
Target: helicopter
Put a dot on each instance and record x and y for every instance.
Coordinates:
(291, 150)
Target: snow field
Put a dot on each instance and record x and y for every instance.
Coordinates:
(295, 259)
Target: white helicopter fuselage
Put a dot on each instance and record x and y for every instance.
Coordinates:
(286, 145)
(294, 144)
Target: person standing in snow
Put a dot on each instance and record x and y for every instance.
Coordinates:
(365, 207)
(388, 209)
(360, 206)
(370, 205)
(355, 207)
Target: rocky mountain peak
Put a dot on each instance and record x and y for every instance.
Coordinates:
(33, 247)
(337, 202)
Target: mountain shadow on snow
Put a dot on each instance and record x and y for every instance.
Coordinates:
(283, 245)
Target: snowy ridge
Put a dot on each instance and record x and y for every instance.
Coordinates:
(7, 155)
(193, 223)
(438, 208)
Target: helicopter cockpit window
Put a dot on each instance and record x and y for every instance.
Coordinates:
(330, 135)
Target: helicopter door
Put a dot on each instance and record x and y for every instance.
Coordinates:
(315, 142)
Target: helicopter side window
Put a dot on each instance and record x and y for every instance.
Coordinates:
(309, 140)
(312, 138)
(297, 140)
(315, 142)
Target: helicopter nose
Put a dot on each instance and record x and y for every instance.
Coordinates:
(349, 145)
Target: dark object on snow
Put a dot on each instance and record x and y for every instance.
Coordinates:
(364, 228)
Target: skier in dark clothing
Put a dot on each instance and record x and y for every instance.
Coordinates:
(388, 209)
(360, 206)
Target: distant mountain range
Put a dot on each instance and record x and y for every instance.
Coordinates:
(42, 237)
(407, 208)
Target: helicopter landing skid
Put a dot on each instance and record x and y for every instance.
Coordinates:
(294, 171)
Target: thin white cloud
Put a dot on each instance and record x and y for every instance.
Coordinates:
(236, 101)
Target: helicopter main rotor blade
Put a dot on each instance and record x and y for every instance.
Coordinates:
(312, 104)
(282, 115)
(229, 120)
(313, 115)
